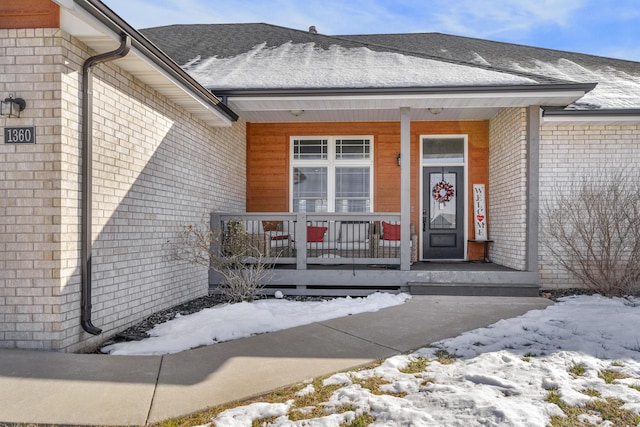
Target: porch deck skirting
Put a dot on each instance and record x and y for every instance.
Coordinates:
(353, 254)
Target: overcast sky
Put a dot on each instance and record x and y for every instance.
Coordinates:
(600, 27)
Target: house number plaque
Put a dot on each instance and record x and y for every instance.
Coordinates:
(20, 135)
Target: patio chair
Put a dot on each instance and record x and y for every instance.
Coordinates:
(386, 241)
(339, 239)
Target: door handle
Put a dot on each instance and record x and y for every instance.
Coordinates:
(424, 220)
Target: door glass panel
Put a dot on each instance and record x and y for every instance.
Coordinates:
(310, 189)
(443, 201)
(443, 150)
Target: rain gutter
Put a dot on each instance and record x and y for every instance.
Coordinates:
(439, 90)
(601, 116)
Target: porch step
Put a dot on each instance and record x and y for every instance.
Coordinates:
(474, 289)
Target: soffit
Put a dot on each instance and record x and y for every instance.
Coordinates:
(97, 36)
(385, 107)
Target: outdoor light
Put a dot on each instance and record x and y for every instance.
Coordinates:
(435, 110)
(296, 113)
(399, 162)
(11, 107)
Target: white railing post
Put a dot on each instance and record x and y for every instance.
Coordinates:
(405, 188)
(301, 241)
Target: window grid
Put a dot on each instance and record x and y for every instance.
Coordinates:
(310, 149)
(346, 185)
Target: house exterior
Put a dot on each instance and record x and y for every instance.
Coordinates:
(525, 119)
(358, 141)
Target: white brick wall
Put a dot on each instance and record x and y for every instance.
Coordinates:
(507, 191)
(155, 168)
(571, 151)
(30, 194)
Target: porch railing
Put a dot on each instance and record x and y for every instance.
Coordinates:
(303, 239)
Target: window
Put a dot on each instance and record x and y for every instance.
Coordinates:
(443, 150)
(331, 174)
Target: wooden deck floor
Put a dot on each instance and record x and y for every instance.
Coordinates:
(416, 266)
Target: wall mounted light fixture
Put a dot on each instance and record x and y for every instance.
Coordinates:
(11, 107)
(399, 160)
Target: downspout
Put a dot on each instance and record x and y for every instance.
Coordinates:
(87, 174)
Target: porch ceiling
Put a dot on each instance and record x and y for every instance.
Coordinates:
(364, 115)
(478, 103)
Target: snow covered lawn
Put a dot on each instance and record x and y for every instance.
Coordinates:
(571, 359)
(233, 321)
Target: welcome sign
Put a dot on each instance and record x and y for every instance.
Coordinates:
(479, 212)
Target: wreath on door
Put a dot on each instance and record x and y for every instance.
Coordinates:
(442, 192)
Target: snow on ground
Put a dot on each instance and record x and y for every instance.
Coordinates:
(233, 321)
(502, 378)
(308, 66)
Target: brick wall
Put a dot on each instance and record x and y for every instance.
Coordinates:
(507, 193)
(30, 193)
(155, 168)
(568, 152)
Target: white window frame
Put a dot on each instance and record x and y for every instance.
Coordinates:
(331, 163)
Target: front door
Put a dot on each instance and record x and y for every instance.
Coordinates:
(443, 214)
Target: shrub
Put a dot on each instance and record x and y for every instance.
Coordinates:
(232, 253)
(592, 229)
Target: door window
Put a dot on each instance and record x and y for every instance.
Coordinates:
(443, 201)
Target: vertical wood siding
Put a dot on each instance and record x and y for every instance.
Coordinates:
(268, 162)
(16, 14)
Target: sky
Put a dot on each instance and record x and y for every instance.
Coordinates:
(503, 375)
(599, 27)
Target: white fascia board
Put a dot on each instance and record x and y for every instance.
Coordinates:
(445, 100)
(595, 119)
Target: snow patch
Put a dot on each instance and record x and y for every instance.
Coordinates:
(234, 321)
(308, 66)
(505, 381)
(615, 89)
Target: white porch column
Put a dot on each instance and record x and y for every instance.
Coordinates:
(405, 188)
(533, 187)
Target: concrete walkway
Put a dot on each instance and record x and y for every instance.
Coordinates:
(90, 389)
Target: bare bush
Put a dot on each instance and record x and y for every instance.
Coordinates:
(232, 252)
(592, 229)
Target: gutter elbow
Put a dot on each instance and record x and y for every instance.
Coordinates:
(90, 328)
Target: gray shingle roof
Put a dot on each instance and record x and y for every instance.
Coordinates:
(498, 54)
(618, 80)
(183, 43)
